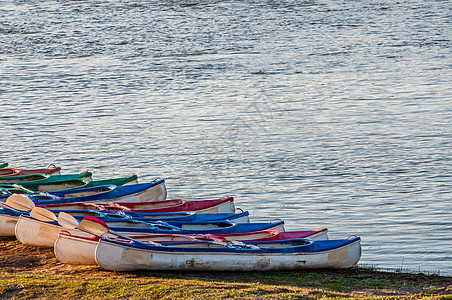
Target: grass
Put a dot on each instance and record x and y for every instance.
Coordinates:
(69, 287)
(252, 285)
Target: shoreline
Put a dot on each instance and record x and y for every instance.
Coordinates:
(29, 272)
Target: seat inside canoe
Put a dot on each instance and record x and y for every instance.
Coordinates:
(151, 205)
(206, 226)
(17, 191)
(198, 245)
(52, 187)
(284, 244)
(8, 171)
(88, 192)
(251, 236)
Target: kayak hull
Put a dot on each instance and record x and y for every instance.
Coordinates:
(117, 256)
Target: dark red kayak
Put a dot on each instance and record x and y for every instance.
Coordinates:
(257, 236)
(268, 235)
(222, 205)
(18, 172)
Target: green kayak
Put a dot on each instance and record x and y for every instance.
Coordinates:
(74, 184)
(44, 178)
(3, 164)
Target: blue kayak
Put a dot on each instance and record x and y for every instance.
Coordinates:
(132, 227)
(143, 192)
(170, 217)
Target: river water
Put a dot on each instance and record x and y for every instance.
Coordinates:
(332, 114)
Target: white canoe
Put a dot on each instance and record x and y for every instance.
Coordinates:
(117, 256)
(80, 250)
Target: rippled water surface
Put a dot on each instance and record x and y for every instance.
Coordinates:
(332, 114)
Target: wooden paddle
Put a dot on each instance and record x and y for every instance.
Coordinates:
(94, 226)
(43, 214)
(67, 221)
(19, 202)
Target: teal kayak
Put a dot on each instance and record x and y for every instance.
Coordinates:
(72, 184)
(44, 178)
(3, 164)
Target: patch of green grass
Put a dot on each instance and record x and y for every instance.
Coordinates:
(69, 287)
(253, 285)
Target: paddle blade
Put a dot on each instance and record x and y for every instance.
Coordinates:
(20, 202)
(43, 214)
(94, 225)
(67, 221)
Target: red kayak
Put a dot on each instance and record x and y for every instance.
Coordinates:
(223, 205)
(18, 172)
(268, 235)
(256, 236)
